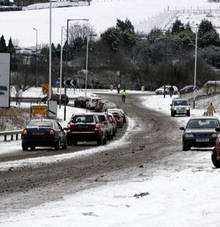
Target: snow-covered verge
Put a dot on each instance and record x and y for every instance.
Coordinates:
(181, 190)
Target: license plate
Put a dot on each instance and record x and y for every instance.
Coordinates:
(202, 140)
(38, 133)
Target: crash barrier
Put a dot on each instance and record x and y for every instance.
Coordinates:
(11, 135)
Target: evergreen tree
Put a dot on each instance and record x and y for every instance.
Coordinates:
(11, 48)
(178, 27)
(3, 47)
(207, 35)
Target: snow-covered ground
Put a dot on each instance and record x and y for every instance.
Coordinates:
(181, 190)
(102, 14)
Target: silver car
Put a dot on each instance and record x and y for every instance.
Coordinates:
(180, 106)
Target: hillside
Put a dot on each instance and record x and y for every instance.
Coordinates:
(102, 14)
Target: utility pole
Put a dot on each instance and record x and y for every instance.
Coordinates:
(50, 51)
(36, 31)
(67, 41)
(195, 69)
(61, 63)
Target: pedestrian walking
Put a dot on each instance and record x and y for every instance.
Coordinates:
(123, 95)
(118, 88)
(211, 109)
(171, 91)
(164, 91)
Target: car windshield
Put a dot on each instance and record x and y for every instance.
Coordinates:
(43, 124)
(202, 123)
(102, 118)
(180, 102)
(83, 119)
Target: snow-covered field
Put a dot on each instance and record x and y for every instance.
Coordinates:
(102, 14)
(181, 190)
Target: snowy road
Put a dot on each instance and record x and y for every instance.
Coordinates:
(148, 181)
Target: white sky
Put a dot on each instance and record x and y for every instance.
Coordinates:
(183, 191)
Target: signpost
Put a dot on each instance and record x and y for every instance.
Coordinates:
(4, 79)
(52, 109)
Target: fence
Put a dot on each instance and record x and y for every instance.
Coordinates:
(11, 135)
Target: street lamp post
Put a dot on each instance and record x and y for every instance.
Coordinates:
(87, 61)
(36, 31)
(50, 50)
(67, 41)
(195, 69)
(61, 62)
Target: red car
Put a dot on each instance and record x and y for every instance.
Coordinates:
(86, 127)
(216, 151)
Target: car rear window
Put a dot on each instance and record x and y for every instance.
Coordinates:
(46, 124)
(180, 102)
(102, 118)
(83, 119)
(203, 123)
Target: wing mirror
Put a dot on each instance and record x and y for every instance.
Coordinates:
(217, 129)
(182, 128)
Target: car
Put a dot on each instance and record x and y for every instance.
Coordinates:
(160, 91)
(187, 89)
(113, 121)
(100, 105)
(180, 106)
(120, 111)
(119, 116)
(92, 102)
(104, 120)
(200, 132)
(86, 127)
(215, 157)
(56, 97)
(43, 132)
(81, 101)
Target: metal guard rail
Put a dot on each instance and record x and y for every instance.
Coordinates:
(13, 134)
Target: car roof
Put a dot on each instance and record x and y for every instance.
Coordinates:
(80, 114)
(103, 113)
(204, 117)
(179, 99)
(42, 119)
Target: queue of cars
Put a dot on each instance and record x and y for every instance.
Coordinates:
(94, 126)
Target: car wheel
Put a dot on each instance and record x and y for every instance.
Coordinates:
(32, 148)
(24, 147)
(172, 114)
(69, 142)
(57, 145)
(215, 162)
(64, 147)
(186, 147)
(100, 141)
(75, 142)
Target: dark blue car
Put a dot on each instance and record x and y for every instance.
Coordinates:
(43, 133)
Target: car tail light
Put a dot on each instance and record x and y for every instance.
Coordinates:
(24, 132)
(51, 131)
(70, 125)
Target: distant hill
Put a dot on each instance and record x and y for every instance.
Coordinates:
(29, 2)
